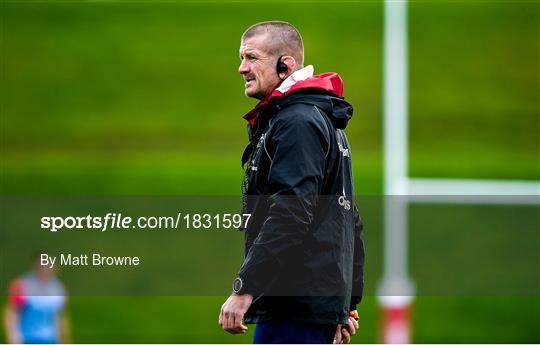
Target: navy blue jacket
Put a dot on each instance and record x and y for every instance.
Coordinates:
(304, 253)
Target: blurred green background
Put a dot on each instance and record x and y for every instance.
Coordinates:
(144, 98)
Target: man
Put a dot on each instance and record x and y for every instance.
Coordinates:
(303, 270)
(35, 312)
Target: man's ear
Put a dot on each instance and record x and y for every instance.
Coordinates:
(291, 66)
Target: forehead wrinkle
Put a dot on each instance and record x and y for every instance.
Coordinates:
(250, 51)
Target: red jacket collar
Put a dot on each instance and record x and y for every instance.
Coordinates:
(330, 82)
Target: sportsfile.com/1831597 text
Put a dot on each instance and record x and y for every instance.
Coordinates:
(117, 221)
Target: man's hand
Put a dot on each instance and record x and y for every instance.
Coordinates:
(232, 313)
(344, 332)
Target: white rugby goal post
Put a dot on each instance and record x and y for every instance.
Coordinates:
(396, 291)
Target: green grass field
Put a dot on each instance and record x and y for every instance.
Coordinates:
(140, 98)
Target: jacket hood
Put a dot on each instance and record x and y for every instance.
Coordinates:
(336, 108)
(324, 91)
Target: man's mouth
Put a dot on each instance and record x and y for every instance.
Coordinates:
(248, 81)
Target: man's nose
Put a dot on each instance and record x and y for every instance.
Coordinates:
(244, 67)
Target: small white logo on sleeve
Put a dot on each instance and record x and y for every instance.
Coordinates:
(345, 152)
(343, 202)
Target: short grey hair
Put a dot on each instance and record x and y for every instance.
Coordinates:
(283, 39)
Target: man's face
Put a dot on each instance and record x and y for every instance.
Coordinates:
(258, 68)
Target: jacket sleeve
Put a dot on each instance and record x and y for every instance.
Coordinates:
(297, 149)
(358, 264)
